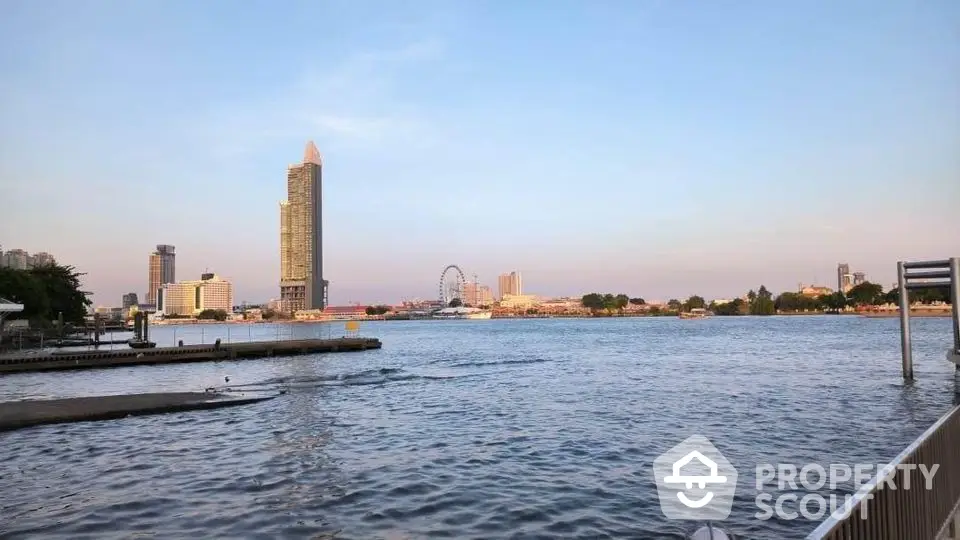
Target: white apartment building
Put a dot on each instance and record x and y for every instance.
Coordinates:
(188, 298)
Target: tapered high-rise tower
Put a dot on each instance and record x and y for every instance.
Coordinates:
(301, 236)
(163, 264)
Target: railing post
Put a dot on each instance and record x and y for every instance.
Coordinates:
(955, 301)
(905, 347)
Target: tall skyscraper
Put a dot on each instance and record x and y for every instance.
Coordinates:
(510, 284)
(163, 264)
(843, 277)
(301, 236)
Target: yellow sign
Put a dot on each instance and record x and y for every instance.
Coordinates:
(353, 326)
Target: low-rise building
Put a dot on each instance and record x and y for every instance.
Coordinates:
(109, 313)
(519, 301)
(813, 291)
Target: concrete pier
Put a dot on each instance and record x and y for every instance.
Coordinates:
(187, 353)
(21, 414)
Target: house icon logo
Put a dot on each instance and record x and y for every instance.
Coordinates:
(695, 481)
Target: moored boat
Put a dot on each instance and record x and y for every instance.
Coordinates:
(463, 313)
(695, 313)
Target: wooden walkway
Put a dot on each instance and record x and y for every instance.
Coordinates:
(187, 353)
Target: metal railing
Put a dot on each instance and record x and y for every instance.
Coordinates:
(925, 275)
(901, 503)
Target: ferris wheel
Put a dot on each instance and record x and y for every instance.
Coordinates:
(451, 287)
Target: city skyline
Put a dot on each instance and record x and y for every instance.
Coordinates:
(658, 149)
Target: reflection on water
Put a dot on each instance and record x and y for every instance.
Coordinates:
(472, 429)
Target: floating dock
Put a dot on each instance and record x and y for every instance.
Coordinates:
(21, 414)
(187, 353)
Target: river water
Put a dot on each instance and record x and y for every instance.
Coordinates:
(470, 429)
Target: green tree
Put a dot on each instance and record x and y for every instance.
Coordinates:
(377, 310)
(674, 304)
(620, 301)
(931, 295)
(62, 285)
(793, 302)
(456, 302)
(592, 301)
(694, 302)
(638, 301)
(762, 303)
(733, 307)
(924, 296)
(46, 291)
(24, 288)
(212, 315)
(866, 294)
(832, 302)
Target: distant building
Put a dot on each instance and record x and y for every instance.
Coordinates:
(562, 305)
(814, 291)
(510, 284)
(110, 313)
(16, 259)
(188, 298)
(844, 278)
(41, 259)
(130, 299)
(514, 301)
(163, 265)
(19, 259)
(477, 295)
(859, 278)
(302, 286)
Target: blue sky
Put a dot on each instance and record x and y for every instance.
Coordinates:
(651, 147)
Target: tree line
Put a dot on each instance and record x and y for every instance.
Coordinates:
(609, 302)
(45, 291)
(762, 301)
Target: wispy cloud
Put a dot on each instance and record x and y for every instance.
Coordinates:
(354, 103)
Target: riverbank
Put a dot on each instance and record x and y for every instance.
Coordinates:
(21, 414)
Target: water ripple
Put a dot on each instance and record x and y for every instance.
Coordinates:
(513, 429)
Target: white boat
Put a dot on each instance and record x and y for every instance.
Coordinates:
(463, 313)
(695, 313)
